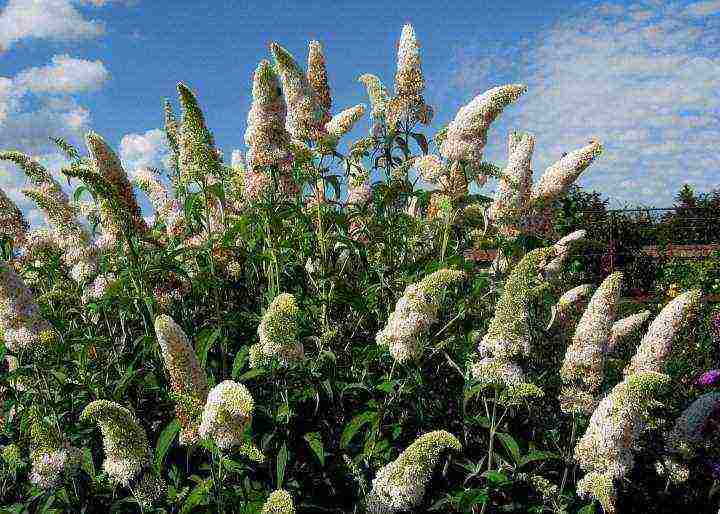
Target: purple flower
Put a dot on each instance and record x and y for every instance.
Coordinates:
(714, 468)
(709, 378)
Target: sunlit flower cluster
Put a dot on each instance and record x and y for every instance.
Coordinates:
(198, 158)
(12, 222)
(657, 343)
(342, 123)
(187, 378)
(626, 327)
(571, 303)
(279, 502)
(318, 78)
(606, 450)
(558, 177)
(430, 167)
(52, 459)
(401, 484)
(414, 312)
(22, 325)
(278, 330)
(99, 286)
(166, 207)
(226, 415)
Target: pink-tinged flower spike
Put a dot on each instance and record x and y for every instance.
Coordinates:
(409, 79)
(400, 485)
(278, 330)
(625, 327)
(166, 207)
(342, 123)
(359, 191)
(377, 93)
(585, 358)
(689, 428)
(12, 222)
(414, 312)
(52, 458)
(305, 115)
(318, 78)
(22, 326)
(227, 412)
(606, 450)
(279, 502)
(107, 164)
(187, 378)
(99, 287)
(570, 304)
(561, 175)
(267, 140)
(198, 159)
(657, 343)
(513, 190)
(467, 134)
(430, 167)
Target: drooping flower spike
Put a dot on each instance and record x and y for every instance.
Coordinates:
(624, 328)
(226, 415)
(377, 94)
(12, 222)
(558, 177)
(688, 430)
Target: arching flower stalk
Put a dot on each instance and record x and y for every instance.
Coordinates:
(408, 103)
(570, 305)
(401, 484)
(318, 78)
(564, 248)
(23, 328)
(12, 222)
(279, 502)
(187, 378)
(226, 415)
(278, 330)
(198, 158)
(305, 115)
(166, 207)
(585, 357)
(690, 427)
(606, 450)
(414, 312)
(341, 124)
(466, 135)
(266, 137)
(379, 98)
(558, 177)
(626, 327)
(657, 343)
(52, 458)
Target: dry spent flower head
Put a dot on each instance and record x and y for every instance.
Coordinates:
(265, 136)
(125, 442)
(278, 330)
(656, 345)
(586, 355)
(317, 76)
(305, 116)
(513, 189)
(561, 175)
(624, 328)
(198, 157)
(22, 325)
(227, 413)
(186, 376)
(279, 502)
(689, 428)
(400, 485)
(467, 134)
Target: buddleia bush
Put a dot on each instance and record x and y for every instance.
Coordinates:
(309, 329)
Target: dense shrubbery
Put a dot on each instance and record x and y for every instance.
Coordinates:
(305, 331)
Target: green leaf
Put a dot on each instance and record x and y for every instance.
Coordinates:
(239, 362)
(167, 436)
(255, 372)
(355, 424)
(316, 444)
(87, 464)
(204, 345)
(537, 455)
(511, 445)
(282, 458)
(196, 497)
(587, 509)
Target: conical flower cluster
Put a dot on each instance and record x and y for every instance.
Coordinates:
(265, 136)
(227, 413)
(558, 177)
(12, 222)
(657, 343)
(513, 189)
(279, 502)
(187, 378)
(624, 328)
(414, 312)
(606, 450)
(585, 358)
(690, 427)
(318, 78)
(52, 459)
(23, 328)
(466, 135)
(198, 158)
(430, 167)
(572, 303)
(166, 207)
(400, 485)
(342, 123)
(127, 453)
(377, 94)
(305, 116)
(278, 331)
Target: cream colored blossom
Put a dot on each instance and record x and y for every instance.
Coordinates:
(342, 123)
(558, 177)
(414, 312)
(572, 302)
(585, 358)
(687, 433)
(377, 93)
(430, 167)
(166, 207)
(99, 286)
(12, 222)
(657, 343)
(279, 502)
(227, 412)
(198, 157)
(514, 185)
(400, 485)
(317, 76)
(623, 328)
(186, 376)
(278, 330)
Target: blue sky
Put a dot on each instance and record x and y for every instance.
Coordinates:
(642, 76)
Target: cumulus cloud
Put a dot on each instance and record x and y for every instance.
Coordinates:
(64, 75)
(148, 150)
(643, 77)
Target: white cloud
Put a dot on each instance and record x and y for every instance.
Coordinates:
(148, 150)
(65, 75)
(704, 8)
(642, 77)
